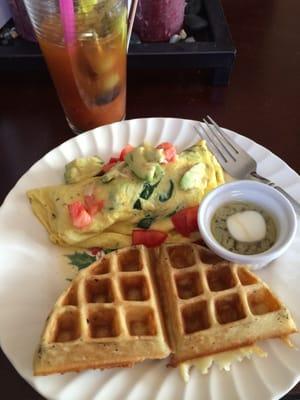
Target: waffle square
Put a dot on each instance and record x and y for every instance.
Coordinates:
(211, 305)
(108, 317)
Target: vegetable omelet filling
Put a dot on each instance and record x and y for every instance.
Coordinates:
(147, 195)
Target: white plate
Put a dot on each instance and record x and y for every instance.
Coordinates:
(32, 277)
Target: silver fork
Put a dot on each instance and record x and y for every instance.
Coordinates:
(236, 161)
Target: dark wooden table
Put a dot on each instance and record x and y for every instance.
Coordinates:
(261, 102)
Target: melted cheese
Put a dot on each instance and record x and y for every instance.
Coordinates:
(288, 342)
(223, 360)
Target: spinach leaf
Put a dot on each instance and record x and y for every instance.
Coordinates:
(145, 223)
(171, 213)
(137, 205)
(107, 250)
(148, 190)
(178, 208)
(166, 196)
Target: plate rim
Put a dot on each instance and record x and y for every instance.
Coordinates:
(94, 132)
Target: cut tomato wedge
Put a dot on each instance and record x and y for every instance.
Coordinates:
(109, 165)
(185, 221)
(169, 151)
(113, 160)
(149, 237)
(93, 205)
(79, 215)
(191, 219)
(127, 149)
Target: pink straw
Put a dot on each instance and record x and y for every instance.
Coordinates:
(131, 16)
(68, 19)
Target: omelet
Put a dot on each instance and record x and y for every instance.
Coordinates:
(141, 192)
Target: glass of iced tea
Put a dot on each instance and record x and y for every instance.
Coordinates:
(84, 45)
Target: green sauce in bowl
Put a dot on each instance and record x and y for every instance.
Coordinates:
(221, 232)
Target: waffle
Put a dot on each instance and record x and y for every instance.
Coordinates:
(212, 306)
(108, 317)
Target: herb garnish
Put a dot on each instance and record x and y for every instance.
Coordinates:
(81, 260)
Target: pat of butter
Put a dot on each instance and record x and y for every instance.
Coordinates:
(223, 360)
(247, 226)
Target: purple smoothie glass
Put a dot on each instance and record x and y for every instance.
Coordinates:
(21, 20)
(158, 20)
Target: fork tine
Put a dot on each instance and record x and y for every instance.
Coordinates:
(216, 136)
(224, 136)
(209, 139)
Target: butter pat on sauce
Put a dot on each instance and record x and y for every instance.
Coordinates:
(243, 228)
(247, 226)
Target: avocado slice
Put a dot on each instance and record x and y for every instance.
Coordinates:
(144, 163)
(194, 177)
(82, 168)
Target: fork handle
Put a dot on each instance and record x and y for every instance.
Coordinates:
(262, 179)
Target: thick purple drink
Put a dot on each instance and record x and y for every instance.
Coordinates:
(158, 20)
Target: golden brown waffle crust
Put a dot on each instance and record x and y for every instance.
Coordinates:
(108, 317)
(60, 359)
(211, 305)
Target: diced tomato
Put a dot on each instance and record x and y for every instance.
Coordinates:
(185, 221)
(95, 250)
(100, 205)
(149, 237)
(79, 215)
(107, 167)
(169, 150)
(191, 218)
(93, 205)
(113, 160)
(127, 149)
